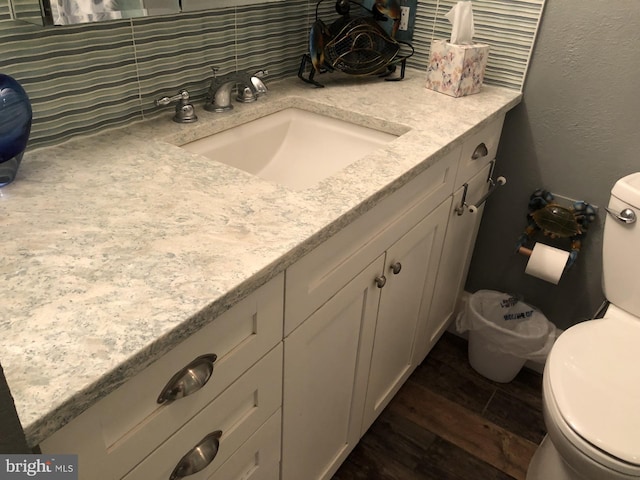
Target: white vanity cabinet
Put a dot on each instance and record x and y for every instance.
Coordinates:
(364, 308)
(291, 386)
(349, 345)
(128, 434)
(348, 359)
(472, 183)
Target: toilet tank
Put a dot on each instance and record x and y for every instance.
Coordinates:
(621, 247)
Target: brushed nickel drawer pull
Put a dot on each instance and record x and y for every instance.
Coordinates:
(190, 379)
(480, 151)
(199, 457)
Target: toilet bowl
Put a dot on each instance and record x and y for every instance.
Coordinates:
(591, 381)
(591, 399)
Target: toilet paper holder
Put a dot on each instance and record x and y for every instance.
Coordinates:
(493, 184)
(556, 221)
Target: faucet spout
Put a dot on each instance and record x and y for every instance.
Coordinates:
(219, 94)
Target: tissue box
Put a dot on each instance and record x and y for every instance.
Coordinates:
(456, 70)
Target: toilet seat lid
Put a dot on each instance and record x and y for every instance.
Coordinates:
(594, 373)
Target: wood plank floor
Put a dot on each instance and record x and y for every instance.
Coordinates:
(450, 423)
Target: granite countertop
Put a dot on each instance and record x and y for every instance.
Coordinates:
(118, 246)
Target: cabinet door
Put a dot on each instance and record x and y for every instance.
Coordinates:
(325, 377)
(411, 267)
(456, 256)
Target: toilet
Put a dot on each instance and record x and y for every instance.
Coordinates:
(591, 381)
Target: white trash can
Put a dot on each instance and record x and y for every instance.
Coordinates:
(489, 362)
(504, 333)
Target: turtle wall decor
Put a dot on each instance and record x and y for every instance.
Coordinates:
(546, 215)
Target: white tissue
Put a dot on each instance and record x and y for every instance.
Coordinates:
(547, 263)
(461, 18)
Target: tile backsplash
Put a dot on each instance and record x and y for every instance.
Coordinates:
(83, 78)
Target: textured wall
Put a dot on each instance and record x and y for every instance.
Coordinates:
(575, 134)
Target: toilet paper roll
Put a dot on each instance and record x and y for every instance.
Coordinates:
(547, 263)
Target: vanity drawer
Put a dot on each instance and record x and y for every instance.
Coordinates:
(316, 277)
(238, 413)
(120, 430)
(473, 157)
(258, 458)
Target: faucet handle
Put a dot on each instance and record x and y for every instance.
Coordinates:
(182, 95)
(250, 93)
(259, 86)
(185, 112)
(256, 80)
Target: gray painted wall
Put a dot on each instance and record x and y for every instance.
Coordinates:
(576, 132)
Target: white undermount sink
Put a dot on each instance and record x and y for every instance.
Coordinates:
(292, 147)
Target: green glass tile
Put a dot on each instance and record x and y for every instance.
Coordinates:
(272, 38)
(72, 74)
(4, 10)
(82, 78)
(177, 53)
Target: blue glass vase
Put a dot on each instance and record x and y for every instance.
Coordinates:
(15, 127)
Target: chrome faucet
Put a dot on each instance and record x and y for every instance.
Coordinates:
(185, 112)
(219, 94)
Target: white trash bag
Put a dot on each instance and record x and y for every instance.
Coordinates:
(511, 326)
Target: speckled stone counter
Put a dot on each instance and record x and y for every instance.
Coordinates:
(118, 246)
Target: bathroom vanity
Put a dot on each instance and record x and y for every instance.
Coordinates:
(135, 258)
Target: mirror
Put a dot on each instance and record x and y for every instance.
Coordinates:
(71, 12)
